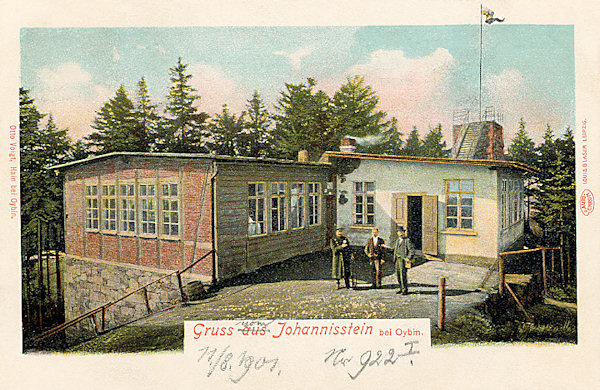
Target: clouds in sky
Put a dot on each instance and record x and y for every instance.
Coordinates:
(69, 93)
(418, 89)
(295, 57)
(414, 90)
(510, 92)
(216, 89)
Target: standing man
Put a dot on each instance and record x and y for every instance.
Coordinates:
(340, 264)
(403, 254)
(374, 250)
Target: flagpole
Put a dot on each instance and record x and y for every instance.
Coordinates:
(480, 53)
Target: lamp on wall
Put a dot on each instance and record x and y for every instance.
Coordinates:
(343, 199)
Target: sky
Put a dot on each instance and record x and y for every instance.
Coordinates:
(421, 74)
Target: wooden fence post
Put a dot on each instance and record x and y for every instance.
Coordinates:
(442, 304)
(40, 292)
(103, 326)
(552, 261)
(145, 292)
(183, 295)
(544, 272)
(59, 292)
(501, 272)
(562, 259)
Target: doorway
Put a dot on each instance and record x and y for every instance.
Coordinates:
(418, 214)
(415, 221)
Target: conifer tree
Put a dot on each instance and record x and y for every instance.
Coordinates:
(303, 121)
(257, 142)
(354, 110)
(413, 144)
(433, 144)
(522, 149)
(146, 115)
(41, 189)
(226, 133)
(116, 127)
(184, 129)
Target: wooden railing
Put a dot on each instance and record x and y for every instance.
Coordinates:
(502, 284)
(102, 309)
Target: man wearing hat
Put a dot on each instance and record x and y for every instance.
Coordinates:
(403, 254)
(340, 264)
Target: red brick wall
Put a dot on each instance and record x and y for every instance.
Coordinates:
(173, 253)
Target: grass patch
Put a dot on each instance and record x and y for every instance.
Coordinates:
(551, 324)
(132, 339)
(563, 293)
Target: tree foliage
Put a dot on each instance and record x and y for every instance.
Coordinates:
(413, 144)
(227, 133)
(554, 188)
(354, 110)
(434, 145)
(146, 115)
(40, 147)
(116, 127)
(303, 121)
(258, 140)
(185, 126)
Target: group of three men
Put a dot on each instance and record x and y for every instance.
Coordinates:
(403, 255)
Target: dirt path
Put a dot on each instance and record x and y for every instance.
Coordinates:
(301, 289)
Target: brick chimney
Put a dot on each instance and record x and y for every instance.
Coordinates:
(348, 145)
(303, 156)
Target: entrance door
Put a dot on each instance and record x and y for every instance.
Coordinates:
(430, 222)
(418, 214)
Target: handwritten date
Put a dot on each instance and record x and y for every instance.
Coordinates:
(236, 365)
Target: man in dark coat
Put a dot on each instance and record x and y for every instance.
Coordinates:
(374, 251)
(403, 254)
(340, 263)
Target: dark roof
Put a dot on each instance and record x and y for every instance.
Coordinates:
(189, 156)
(430, 160)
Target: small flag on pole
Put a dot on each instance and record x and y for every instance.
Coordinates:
(489, 16)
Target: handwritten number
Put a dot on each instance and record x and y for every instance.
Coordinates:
(390, 359)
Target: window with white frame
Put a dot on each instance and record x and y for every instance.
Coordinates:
(147, 196)
(297, 194)
(256, 209)
(109, 207)
(170, 209)
(278, 201)
(127, 210)
(92, 212)
(459, 204)
(314, 204)
(364, 203)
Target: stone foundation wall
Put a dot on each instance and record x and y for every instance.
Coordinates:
(92, 284)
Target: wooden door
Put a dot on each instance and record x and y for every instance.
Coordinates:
(430, 223)
(400, 210)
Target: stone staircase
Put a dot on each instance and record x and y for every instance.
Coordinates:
(470, 140)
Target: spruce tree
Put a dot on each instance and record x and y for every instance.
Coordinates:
(522, 149)
(433, 144)
(303, 121)
(389, 141)
(116, 127)
(184, 129)
(41, 189)
(146, 115)
(354, 110)
(257, 142)
(226, 133)
(413, 144)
